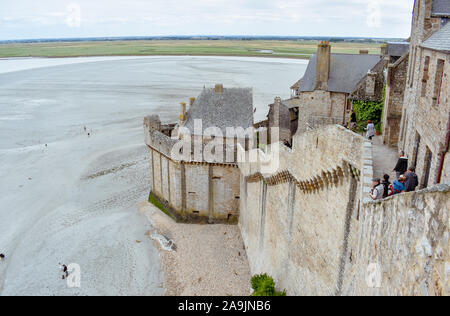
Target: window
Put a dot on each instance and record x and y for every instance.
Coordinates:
(426, 68)
(438, 81)
(428, 160)
(416, 149)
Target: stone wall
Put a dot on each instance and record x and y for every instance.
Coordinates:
(320, 108)
(191, 191)
(371, 87)
(402, 242)
(312, 226)
(395, 92)
(295, 222)
(424, 119)
(427, 116)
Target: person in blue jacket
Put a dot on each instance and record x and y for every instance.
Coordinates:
(398, 186)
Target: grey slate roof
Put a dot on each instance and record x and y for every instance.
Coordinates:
(440, 40)
(441, 8)
(397, 49)
(346, 72)
(232, 108)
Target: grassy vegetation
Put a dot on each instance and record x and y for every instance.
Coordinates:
(291, 49)
(264, 285)
(156, 203)
(366, 110)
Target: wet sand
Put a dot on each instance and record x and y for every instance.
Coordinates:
(209, 260)
(72, 198)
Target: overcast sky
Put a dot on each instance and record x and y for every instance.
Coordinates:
(24, 19)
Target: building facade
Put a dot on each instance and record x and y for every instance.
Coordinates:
(189, 177)
(425, 125)
(325, 93)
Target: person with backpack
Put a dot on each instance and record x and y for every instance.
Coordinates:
(377, 191)
(398, 186)
(412, 180)
(386, 184)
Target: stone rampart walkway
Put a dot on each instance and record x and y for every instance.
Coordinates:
(384, 159)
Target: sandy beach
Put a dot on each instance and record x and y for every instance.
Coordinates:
(71, 195)
(207, 260)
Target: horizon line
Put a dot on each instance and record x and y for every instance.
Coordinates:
(100, 38)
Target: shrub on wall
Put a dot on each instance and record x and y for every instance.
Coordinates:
(264, 285)
(368, 110)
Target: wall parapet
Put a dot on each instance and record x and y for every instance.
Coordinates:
(403, 246)
(367, 172)
(323, 181)
(328, 147)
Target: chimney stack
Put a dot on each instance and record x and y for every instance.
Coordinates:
(219, 88)
(384, 50)
(191, 101)
(323, 66)
(183, 113)
(276, 114)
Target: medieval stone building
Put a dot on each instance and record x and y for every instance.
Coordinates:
(184, 180)
(397, 57)
(425, 119)
(325, 94)
(309, 222)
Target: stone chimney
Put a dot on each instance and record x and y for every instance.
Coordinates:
(323, 66)
(182, 113)
(364, 52)
(276, 112)
(219, 88)
(384, 50)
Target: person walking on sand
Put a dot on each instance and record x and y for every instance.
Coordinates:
(370, 129)
(65, 270)
(2, 257)
(402, 164)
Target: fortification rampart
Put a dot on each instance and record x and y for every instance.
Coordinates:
(295, 222)
(401, 246)
(313, 227)
(192, 191)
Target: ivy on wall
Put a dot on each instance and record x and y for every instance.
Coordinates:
(369, 110)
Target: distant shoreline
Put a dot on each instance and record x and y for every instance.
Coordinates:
(219, 48)
(162, 55)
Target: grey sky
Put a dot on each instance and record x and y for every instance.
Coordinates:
(20, 19)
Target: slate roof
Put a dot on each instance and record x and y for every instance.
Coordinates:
(397, 49)
(441, 8)
(440, 40)
(346, 71)
(232, 108)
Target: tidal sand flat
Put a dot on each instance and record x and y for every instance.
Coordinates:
(73, 164)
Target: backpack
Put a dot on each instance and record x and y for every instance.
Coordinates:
(392, 191)
(386, 186)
